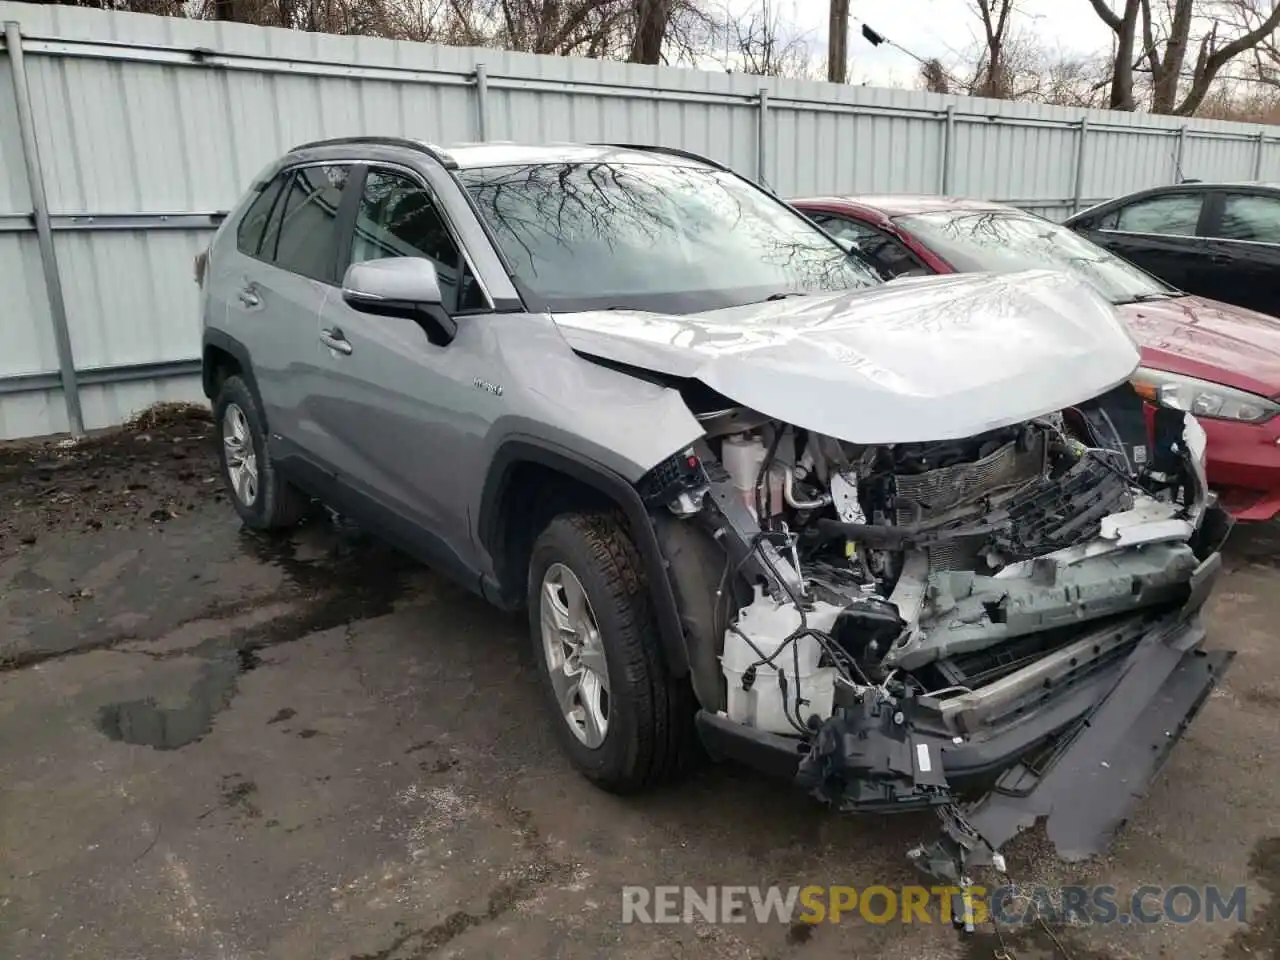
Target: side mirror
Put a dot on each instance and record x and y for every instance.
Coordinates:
(404, 287)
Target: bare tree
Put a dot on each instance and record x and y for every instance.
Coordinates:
(1125, 27)
(995, 16)
(765, 43)
(642, 31)
(1070, 80)
(1218, 30)
(652, 19)
(671, 31)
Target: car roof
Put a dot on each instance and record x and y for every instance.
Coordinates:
(1187, 186)
(903, 204)
(1209, 185)
(496, 154)
(471, 155)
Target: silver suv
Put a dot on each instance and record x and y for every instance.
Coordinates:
(883, 539)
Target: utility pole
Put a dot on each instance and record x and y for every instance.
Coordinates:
(838, 42)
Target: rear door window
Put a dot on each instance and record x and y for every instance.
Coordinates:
(1249, 217)
(1173, 215)
(302, 237)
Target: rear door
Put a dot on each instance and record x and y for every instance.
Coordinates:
(1159, 232)
(402, 419)
(284, 272)
(1243, 228)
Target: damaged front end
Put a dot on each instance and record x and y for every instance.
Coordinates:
(1005, 628)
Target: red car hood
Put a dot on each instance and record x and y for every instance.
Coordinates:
(1207, 339)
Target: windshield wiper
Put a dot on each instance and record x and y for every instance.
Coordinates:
(782, 296)
(1149, 297)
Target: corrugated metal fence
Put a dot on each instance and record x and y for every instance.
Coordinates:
(123, 135)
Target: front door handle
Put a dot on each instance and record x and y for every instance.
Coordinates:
(249, 297)
(333, 339)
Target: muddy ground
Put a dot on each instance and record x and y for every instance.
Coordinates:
(218, 746)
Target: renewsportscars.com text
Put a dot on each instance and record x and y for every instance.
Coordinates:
(917, 904)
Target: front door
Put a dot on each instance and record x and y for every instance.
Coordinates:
(403, 418)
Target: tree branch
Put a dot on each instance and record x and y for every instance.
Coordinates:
(1109, 16)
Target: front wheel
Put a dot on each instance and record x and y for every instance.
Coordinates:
(624, 721)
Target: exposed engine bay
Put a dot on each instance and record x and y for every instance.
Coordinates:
(901, 618)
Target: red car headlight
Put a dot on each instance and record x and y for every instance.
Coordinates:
(1201, 397)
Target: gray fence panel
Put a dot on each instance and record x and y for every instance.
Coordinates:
(149, 125)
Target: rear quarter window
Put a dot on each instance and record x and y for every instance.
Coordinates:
(254, 222)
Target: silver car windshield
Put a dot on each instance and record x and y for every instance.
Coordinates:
(1001, 241)
(662, 237)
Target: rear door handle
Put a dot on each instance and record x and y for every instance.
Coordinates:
(249, 297)
(334, 339)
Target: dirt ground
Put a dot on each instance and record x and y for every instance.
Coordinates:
(218, 746)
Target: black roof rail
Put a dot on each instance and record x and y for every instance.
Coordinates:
(434, 152)
(673, 151)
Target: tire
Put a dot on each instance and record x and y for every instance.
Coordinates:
(274, 503)
(650, 736)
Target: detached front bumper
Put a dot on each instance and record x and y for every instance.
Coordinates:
(1096, 770)
(1079, 759)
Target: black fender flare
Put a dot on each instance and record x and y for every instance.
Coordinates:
(525, 449)
(218, 340)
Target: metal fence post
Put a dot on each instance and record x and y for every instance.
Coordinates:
(1082, 139)
(762, 139)
(948, 138)
(1181, 152)
(44, 232)
(482, 103)
(1257, 157)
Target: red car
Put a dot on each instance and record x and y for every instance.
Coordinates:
(1219, 361)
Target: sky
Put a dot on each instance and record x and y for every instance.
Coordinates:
(937, 28)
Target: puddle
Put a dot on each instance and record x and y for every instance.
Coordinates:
(348, 577)
(345, 575)
(145, 723)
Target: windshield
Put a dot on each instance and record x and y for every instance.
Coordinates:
(661, 237)
(1004, 240)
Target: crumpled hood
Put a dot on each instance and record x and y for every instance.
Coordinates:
(1204, 338)
(935, 358)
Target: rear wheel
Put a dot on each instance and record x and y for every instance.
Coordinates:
(624, 721)
(264, 499)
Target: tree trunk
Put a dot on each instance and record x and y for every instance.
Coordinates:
(1167, 70)
(1122, 76)
(652, 20)
(1211, 58)
(229, 10)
